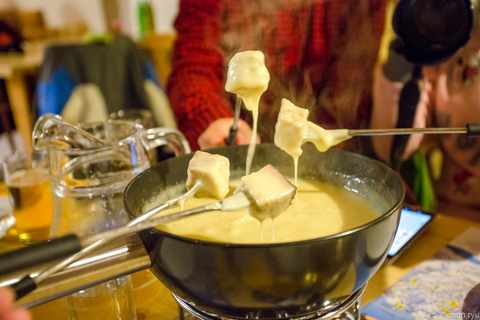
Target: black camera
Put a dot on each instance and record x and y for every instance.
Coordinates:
(431, 31)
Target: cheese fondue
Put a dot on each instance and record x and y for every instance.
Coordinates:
(248, 77)
(213, 173)
(324, 139)
(293, 129)
(271, 192)
(319, 210)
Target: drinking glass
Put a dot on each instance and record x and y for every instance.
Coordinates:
(146, 287)
(111, 300)
(27, 179)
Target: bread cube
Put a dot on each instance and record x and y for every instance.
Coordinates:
(270, 191)
(247, 74)
(291, 128)
(213, 172)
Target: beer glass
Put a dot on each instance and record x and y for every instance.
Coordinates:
(27, 179)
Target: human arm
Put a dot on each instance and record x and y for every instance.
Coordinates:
(389, 82)
(196, 85)
(215, 135)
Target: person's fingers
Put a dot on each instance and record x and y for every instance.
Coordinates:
(211, 139)
(6, 299)
(7, 311)
(17, 314)
(218, 131)
(216, 134)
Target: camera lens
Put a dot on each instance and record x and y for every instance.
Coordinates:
(433, 30)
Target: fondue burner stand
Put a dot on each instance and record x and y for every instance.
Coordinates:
(349, 309)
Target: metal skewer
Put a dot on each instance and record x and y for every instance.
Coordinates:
(399, 131)
(87, 244)
(471, 129)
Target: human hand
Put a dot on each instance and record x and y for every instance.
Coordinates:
(7, 310)
(217, 133)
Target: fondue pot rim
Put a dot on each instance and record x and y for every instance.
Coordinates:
(280, 244)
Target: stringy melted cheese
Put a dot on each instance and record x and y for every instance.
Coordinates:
(325, 139)
(248, 78)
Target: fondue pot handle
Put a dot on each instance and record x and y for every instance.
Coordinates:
(39, 253)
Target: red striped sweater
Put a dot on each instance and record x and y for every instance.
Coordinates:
(320, 55)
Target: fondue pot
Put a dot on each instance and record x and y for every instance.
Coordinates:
(270, 281)
(266, 280)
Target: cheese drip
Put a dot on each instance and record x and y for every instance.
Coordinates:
(248, 78)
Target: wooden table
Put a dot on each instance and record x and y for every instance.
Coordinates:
(14, 69)
(162, 305)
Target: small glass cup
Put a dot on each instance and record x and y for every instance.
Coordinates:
(110, 300)
(27, 179)
(146, 288)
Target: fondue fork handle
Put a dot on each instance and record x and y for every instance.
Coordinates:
(471, 129)
(234, 129)
(92, 245)
(89, 243)
(62, 247)
(39, 253)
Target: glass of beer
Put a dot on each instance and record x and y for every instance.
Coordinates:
(27, 179)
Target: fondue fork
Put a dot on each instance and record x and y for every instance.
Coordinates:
(471, 129)
(79, 247)
(71, 250)
(234, 129)
(235, 202)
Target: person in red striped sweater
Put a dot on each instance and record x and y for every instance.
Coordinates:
(320, 55)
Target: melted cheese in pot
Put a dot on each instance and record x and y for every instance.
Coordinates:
(248, 77)
(319, 210)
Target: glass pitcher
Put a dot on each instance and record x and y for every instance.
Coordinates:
(91, 164)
